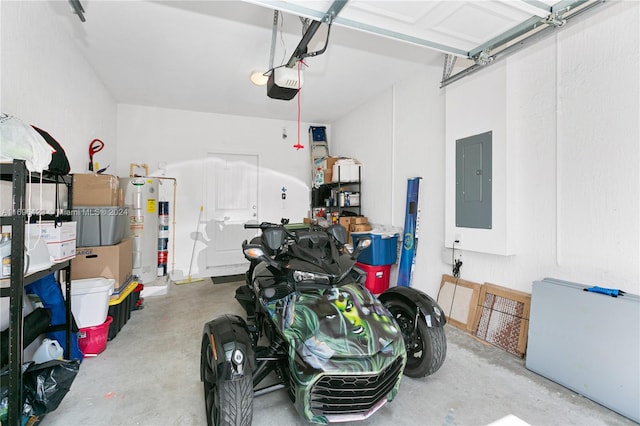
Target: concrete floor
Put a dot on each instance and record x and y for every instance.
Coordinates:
(149, 375)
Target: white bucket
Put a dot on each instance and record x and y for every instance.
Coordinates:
(48, 350)
(90, 300)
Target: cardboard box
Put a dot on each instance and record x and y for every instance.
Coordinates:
(96, 190)
(353, 220)
(104, 261)
(346, 222)
(61, 251)
(49, 232)
(328, 175)
(357, 220)
(350, 221)
(61, 239)
(361, 227)
(330, 161)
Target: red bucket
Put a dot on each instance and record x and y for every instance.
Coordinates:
(92, 341)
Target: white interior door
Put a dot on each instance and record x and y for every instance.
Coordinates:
(232, 201)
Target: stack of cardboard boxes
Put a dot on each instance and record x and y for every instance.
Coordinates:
(355, 224)
(334, 169)
(101, 218)
(323, 172)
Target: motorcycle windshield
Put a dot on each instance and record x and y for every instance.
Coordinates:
(337, 323)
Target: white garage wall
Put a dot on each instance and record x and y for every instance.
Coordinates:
(370, 142)
(598, 149)
(47, 83)
(466, 116)
(182, 139)
(398, 136)
(571, 142)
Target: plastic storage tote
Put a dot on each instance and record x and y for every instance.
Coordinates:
(382, 251)
(120, 308)
(377, 277)
(100, 226)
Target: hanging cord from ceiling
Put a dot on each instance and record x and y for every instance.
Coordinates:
(298, 146)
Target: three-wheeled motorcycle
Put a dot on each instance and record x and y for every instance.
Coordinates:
(313, 329)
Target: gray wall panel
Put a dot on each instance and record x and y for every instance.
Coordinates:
(588, 342)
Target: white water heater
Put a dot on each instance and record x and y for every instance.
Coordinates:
(141, 197)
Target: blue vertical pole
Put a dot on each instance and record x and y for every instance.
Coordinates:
(409, 240)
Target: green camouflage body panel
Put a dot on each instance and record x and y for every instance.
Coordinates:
(343, 330)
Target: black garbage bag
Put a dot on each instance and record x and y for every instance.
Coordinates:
(46, 384)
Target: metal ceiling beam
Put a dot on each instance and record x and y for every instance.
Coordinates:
(349, 23)
(301, 50)
(77, 8)
(274, 35)
(542, 33)
(515, 32)
(529, 25)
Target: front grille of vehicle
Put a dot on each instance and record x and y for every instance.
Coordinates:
(356, 394)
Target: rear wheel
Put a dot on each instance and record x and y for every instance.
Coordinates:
(426, 346)
(227, 402)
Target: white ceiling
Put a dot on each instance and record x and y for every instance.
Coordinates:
(198, 55)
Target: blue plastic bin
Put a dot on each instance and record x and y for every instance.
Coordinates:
(382, 251)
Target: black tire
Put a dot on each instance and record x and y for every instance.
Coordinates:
(227, 402)
(426, 346)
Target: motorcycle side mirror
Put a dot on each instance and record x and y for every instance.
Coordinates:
(256, 252)
(363, 243)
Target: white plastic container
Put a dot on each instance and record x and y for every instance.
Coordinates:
(47, 351)
(90, 300)
(346, 170)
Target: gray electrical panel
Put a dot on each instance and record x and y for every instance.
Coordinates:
(473, 181)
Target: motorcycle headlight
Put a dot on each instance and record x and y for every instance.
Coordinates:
(299, 276)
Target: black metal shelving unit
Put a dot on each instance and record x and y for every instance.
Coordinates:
(17, 173)
(333, 192)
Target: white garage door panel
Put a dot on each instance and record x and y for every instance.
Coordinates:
(456, 27)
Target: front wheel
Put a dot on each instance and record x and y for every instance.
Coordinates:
(426, 346)
(227, 402)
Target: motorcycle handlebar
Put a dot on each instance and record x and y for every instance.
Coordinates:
(263, 225)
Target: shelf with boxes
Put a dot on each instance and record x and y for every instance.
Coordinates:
(15, 265)
(337, 191)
